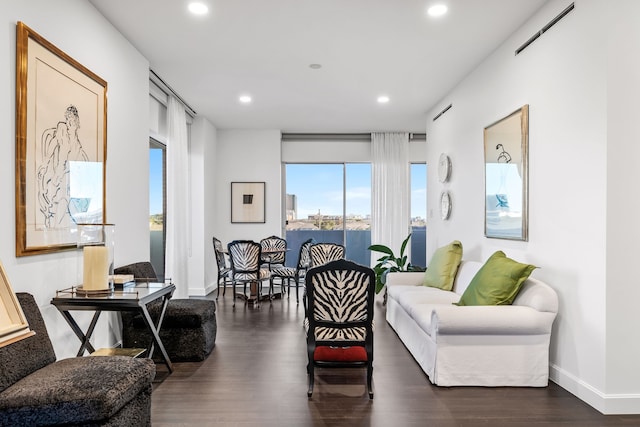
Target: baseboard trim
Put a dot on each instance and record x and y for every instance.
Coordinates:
(607, 404)
(202, 292)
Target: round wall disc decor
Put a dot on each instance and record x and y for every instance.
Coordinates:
(445, 205)
(444, 168)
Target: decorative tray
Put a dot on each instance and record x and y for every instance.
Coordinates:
(94, 292)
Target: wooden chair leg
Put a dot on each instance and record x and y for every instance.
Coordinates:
(234, 293)
(310, 374)
(370, 379)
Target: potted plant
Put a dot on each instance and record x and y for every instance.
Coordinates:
(390, 263)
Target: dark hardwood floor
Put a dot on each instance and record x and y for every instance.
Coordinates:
(256, 376)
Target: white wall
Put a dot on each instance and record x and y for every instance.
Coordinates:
(81, 32)
(202, 265)
(247, 155)
(623, 203)
(577, 229)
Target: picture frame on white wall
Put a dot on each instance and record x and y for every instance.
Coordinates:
(248, 202)
(61, 146)
(506, 148)
(13, 323)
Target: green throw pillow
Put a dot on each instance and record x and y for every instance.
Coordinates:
(497, 282)
(443, 266)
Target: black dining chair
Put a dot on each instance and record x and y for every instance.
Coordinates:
(296, 274)
(245, 267)
(322, 253)
(274, 251)
(224, 271)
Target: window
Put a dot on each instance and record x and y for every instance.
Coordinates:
(418, 214)
(329, 203)
(157, 204)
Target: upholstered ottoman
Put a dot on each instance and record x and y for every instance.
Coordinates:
(188, 331)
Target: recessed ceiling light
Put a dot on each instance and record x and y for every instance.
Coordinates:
(315, 66)
(437, 10)
(383, 99)
(245, 99)
(198, 8)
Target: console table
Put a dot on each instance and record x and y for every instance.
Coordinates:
(135, 298)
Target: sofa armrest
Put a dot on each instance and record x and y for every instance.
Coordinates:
(405, 278)
(490, 320)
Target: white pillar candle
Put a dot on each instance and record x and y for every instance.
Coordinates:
(96, 268)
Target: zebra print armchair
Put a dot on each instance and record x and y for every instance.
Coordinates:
(245, 266)
(340, 324)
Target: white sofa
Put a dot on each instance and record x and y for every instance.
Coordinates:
(505, 345)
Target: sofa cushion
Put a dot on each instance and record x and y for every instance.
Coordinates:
(443, 266)
(410, 297)
(497, 282)
(77, 390)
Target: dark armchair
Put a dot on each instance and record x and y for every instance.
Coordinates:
(37, 390)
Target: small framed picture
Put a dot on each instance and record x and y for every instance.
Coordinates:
(247, 202)
(13, 324)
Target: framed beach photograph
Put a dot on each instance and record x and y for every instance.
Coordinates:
(247, 202)
(61, 146)
(506, 148)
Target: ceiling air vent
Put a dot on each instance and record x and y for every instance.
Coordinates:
(545, 28)
(442, 112)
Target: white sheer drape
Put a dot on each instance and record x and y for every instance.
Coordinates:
(176, 262)
(390, 189)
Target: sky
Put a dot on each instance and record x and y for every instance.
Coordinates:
(155, 181)
(317, 187)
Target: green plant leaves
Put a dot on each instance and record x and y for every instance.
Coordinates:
(389, 263)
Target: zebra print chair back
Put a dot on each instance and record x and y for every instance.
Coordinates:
(304, 258)
(223, 270)
(273, 243)
(245, 264)
(295, 274)
(340, 298)
(322, 253)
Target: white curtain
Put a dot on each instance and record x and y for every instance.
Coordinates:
(390, 189)
(176, 262)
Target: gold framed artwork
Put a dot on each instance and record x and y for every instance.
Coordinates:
(506, 153)
(13, 324)
(61, 146)
(247, 202)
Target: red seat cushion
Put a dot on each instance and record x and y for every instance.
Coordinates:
(339, 354)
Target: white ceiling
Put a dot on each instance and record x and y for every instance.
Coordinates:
(366, 48)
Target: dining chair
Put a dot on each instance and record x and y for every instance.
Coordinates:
(274, 251)
(224, 272)
(245, 267)
(340, 324)
(296, 274)
(322, 253)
